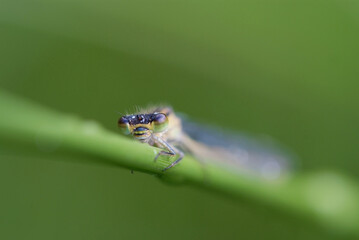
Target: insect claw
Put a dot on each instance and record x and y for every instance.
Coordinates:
(174, 163)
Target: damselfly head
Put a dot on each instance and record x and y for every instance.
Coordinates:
(141, 126)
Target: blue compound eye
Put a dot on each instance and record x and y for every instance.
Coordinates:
(124, 125)
(159, 122)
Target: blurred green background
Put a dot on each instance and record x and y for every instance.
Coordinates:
(288, 69)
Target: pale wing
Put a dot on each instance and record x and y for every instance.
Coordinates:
(260, 156)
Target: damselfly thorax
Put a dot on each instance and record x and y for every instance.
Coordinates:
(162, 128)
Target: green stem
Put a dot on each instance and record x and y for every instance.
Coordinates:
(328, 198)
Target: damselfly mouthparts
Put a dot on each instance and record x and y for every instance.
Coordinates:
(161, 127)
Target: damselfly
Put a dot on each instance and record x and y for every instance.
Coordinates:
(162, 128)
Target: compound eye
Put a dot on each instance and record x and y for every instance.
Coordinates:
(124, 125)
(159, 122)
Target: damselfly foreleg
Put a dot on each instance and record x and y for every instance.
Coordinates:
(171, 150)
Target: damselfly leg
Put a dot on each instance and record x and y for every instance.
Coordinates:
(171, 151)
